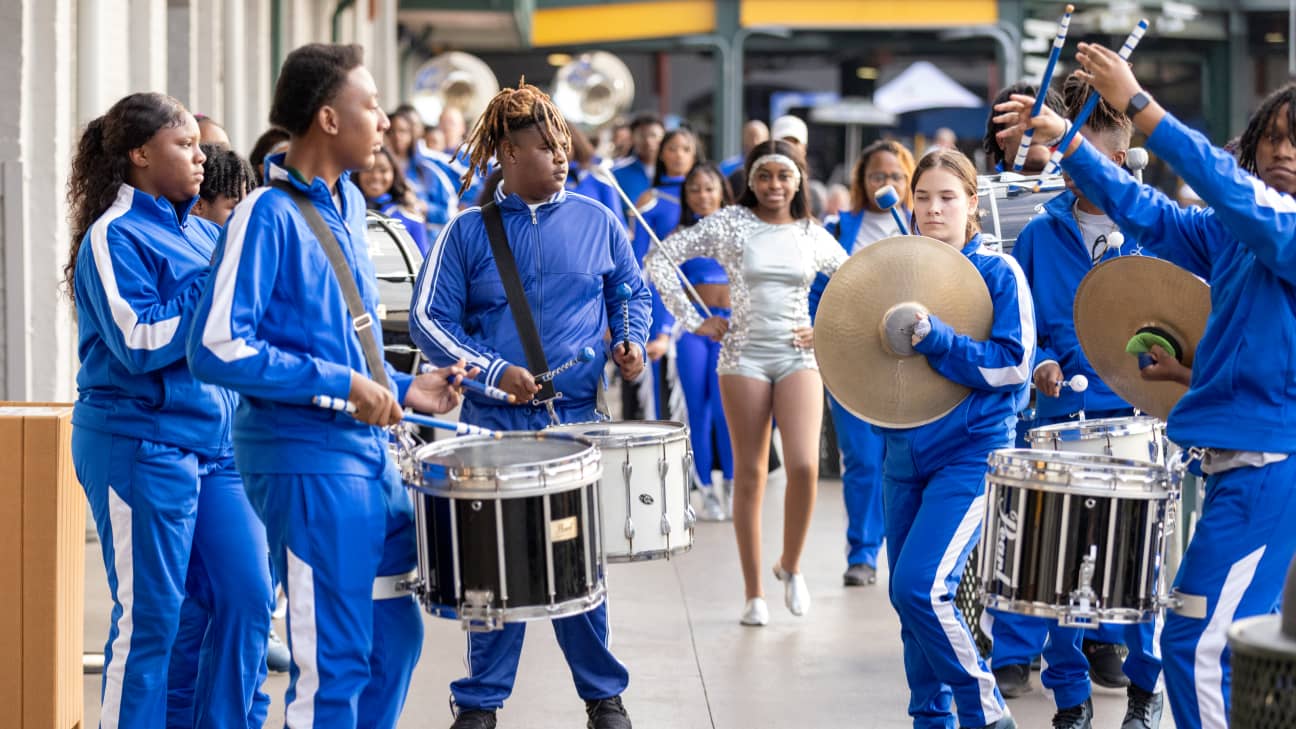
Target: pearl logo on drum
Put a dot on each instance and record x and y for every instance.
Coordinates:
(646, 499)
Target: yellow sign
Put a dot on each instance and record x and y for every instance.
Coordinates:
(868, 13)
(621, 21)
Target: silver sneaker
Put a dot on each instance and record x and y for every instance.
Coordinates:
(712, 509)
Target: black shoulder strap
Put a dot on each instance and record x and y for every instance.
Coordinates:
(360, 318)
(517, 299)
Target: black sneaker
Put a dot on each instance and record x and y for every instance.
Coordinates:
(1076, 717)
(858, 575)
(1013, 680)
(1105, 660)
(607, 714)
(1143, 710)
(474, 719)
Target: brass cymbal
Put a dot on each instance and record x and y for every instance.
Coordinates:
(866, 317)
(1117, 299)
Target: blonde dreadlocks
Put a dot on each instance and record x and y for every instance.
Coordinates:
(511, 110)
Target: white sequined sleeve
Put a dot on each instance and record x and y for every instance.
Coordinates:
(828, 253)
(705, 239)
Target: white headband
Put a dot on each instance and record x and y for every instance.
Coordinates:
(778, 159)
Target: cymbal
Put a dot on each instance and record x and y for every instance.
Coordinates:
(866, 317)
(1117, 299)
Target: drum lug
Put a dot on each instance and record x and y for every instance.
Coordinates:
(690, 516)
(476, 614)
(663, 468)
(1080, 612)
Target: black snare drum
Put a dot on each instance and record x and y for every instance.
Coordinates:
(1074, 536)
(508, 529)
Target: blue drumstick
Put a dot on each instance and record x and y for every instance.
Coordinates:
(337, 403)
(888, 199)
(1063, 25)
(586, 354)
(1055, 162)
(480, 388)
(623, 294)
(459, 428)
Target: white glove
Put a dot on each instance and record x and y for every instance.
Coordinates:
(921, 329)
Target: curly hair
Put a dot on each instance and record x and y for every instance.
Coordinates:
(1260, 122)
(509, 111)
(860, 197)
(102, 163)
(225, 173)
(687, 216)
(800, 200)
(308, 80)
(994, 152)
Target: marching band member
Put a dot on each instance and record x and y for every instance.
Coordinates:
(1242, 246)
(880, 164)
(572, 254)
(273, 325)
(1056, 251)
(705, 191)
(771, 249)
(150, 443)
(634, 172)
(934, 475)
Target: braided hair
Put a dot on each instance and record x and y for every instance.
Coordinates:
(512, 110)
(1260, 122)
(225, 173)
(102, 163)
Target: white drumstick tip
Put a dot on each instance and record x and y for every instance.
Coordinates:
(1116, 240)
(1078, 383)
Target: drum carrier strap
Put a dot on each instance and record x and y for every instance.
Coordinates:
(518, 304)
(360, 318)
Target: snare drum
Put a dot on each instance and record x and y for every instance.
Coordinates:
(1074, 536)
(645, 489)
(396, 260)
(1134, 438)
(508, 529)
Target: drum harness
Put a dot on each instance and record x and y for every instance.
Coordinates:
(385, 587)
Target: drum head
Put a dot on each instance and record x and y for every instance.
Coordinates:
(1085, 429)
(1079, 473)
(623, 432)
(517, 462)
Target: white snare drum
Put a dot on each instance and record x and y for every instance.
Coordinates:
(1075, 537)
(645, 487)
(1136, 438)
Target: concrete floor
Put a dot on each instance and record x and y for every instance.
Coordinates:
(692, 666)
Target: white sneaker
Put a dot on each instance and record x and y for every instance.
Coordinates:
(712, 510)
(756, 612)
(795, 593)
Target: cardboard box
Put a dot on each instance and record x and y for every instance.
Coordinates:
(42, 569)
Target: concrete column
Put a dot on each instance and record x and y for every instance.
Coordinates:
(182, 51)
(209, 87)
(148, 45)
(35, 137)
(233, 74)
(103, 55)
(384, 57)
(257, 73)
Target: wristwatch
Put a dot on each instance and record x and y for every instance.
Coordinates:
(1137, 103)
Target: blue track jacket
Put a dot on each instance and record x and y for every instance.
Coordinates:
(571, 254)
(1054, 257)
(997, 369)
(1243, 393)
(272, 325)
(139, 272)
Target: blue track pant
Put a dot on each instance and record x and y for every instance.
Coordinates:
(331, 536)
(861, 451)
(174, 524)
(696, 360)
